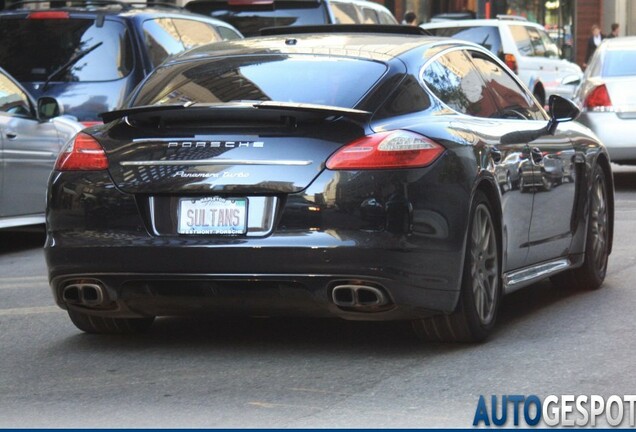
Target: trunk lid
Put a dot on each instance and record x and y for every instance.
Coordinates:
(234, 148)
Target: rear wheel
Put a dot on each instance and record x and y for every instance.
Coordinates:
(591, 274)
(476, 312)
(104, 325)
(539, 95)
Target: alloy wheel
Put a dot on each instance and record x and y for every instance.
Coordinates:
(484, 268)
(599, 224)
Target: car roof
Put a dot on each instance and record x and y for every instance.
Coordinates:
(116, 11)
(114, 8)
(371, 46)
(622, 43)
(491, 22)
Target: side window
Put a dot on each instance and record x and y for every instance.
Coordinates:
(344, 13)
(12, 99)
(513, 101)
(551, 48)
(537, 43)
(486, 36)
(408, 98)
(369, 16)
(227, 33)
(455, 81)
(195, 33)
(386, 18)
(162, 39)
(522, 40)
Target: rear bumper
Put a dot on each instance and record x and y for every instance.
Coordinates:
(618, 135)
(400, 232)
(290, 276)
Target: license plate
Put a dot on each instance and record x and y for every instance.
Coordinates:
(213, 215)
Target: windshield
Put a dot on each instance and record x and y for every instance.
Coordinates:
(72, 49)
(323, 80)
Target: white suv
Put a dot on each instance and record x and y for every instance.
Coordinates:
(525, 47)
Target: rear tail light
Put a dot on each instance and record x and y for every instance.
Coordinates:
(49, 15)
(511, 62)
(91, 123)
(598, 99)
(395, 149)
(83, 153)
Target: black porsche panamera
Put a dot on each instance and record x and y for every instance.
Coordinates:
(348, 174)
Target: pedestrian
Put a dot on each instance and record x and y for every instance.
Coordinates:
(410, 18)
(614, 32)
(592, 43)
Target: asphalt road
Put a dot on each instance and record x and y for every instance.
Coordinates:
(308, 373)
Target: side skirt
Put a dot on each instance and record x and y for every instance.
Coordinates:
(517, 279)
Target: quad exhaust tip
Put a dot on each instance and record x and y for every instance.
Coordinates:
(84, 294)
(358, 297)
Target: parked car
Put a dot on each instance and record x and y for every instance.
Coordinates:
(91, 57)
(525, 47)
(252, 15)
(542, 176)
(607, 97)
(190, 199)
(29, 144)
(508, 172)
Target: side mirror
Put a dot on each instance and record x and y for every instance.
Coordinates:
(48, 108)
(561, 110)
(571, 80)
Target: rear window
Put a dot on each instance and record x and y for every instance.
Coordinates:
(72, 49)
(250, 19)
(617, 63)
(165, 37)
(533, 42)
(486, 36)
(321, 80)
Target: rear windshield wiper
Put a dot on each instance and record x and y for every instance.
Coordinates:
(66, 66)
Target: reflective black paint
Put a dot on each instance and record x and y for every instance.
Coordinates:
(403, 230)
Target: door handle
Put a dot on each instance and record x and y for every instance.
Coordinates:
(536, 156)
(11, 135)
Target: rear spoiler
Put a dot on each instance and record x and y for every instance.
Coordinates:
(235, 111)
(394, 29)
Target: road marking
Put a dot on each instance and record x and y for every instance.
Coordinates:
(275, 405)
(29, 310)
(306, 390)
(24, 285)
(23, 279)
(24, 282)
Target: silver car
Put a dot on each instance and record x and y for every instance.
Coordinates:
(31, 137)
(607, 97)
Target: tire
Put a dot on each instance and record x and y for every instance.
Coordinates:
(539, 96)
(591, 274)
(480, 294)
(103, 325)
